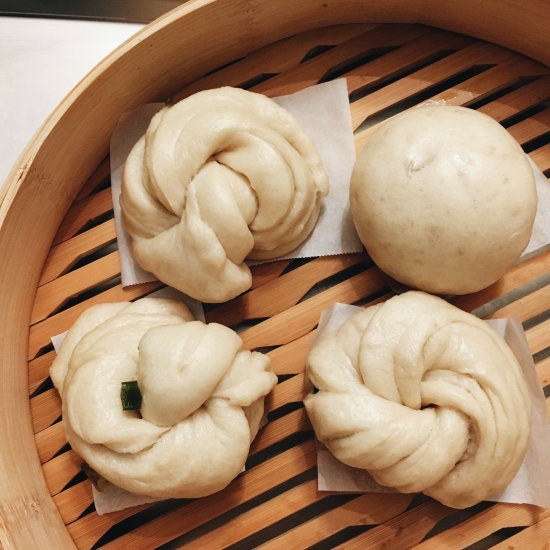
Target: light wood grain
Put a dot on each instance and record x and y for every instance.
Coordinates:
(51, 296)
(60, 470)
(67, 253)
(518, 100)
(74, 501)
(301, 318)
(267, 60)
(404, 531)
(536, 536)
(313, 71)
(367, 509)
(261, 516)
(67, 161)
(88, 529)
(485, 84)
(45, 409)
(100, 174)
(39, 370)
(256, 481)
(41, 332)
(268, 300)
(484, 524)
(83, 212)
(49, 441)
(264, 273)
(541, 157)
(526, 307)
(476, 54)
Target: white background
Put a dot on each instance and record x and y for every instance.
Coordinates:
(40, 62)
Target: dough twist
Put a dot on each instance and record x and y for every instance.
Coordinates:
(219, 177)
(424, 396)
(202, 397)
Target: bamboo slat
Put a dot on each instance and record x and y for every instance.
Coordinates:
(83, 212)
(300, 319)
(262, 516)
(267, 475)
(51, 296)
(45, 409)
(268, 61)
(536, 535)
(264, 273)
(484, 524)
(526, 307)
(367, 509)
(541, 157)
(275, 503)
(313, 71)
(39, 370)
(518, 100)
(405, 530)
(532, 127)
(66, 253)
(100, 175)
(476, 54)
(266, 300)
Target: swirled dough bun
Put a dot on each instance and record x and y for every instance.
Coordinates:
(424, 396)
(443, 198)
(202, 397)
(219, 177)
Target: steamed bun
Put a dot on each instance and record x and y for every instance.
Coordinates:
(424, 396)
(443, 198)
(222, 176)
(202, 397)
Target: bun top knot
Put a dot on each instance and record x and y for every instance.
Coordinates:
(219, 177)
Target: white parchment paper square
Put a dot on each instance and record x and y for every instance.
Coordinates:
(323, 112)
(531, 485)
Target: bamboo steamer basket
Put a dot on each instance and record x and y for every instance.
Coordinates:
(57, 235)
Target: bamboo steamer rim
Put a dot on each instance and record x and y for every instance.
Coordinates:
(74, 139)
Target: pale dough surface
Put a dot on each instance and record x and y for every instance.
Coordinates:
(443, 198)
(219, 177)
(424, 396)
(203, 397)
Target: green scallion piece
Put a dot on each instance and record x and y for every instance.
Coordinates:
(130, 396)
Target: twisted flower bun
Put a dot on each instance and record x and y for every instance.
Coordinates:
(202, 397)
(219, 177)
(424, 396)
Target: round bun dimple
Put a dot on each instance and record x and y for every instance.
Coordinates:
(443, 198)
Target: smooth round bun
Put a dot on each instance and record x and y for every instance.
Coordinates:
(443, 198)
